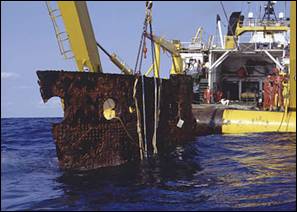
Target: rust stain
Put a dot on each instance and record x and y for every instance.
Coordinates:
(86, 140)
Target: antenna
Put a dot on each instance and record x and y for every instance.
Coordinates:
(269, 10)
(285, 9)
(249, 5)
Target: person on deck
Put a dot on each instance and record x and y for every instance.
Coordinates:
(268, 93)
(207, 95)
(279, 98)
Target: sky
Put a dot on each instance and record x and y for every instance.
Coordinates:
(28, 42)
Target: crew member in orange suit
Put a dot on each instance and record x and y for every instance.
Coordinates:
(218, 95)
(278, 93)
(268, 93)
(207, 95)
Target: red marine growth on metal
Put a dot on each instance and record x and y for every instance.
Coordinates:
(86, 140)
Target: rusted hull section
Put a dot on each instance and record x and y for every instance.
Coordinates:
(85, 139)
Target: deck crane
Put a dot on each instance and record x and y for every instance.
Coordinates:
(171, 47)
(115, 59)
(81, 36)
(198, 36)
(156, 65)
(236, 27)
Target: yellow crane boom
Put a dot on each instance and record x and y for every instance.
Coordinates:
(81, 35)
(237, 26)
(156, 65)
(119, 63)
(173, 48)
(229, 40)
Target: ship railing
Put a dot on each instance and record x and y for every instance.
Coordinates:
(260, 46)
(191, 45)
(259, 22)
(269, 46)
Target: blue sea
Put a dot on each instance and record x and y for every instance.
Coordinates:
(214, 172)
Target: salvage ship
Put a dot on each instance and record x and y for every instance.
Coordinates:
(249, 71)
(111, 119)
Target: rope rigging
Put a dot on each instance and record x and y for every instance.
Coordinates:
(157, 90)
(142, 50)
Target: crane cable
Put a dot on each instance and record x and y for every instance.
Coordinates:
(142, 43)
(140, 55)
(138, 125)
(138, 114)
(157, 91)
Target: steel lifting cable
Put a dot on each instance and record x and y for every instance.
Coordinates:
(138, 65)
(144, 117)
(143, 100)
(140, 141)
(138, 53)
(139, 127)
(147, 20)
(142, 42)
(141, 49)
(157, 94)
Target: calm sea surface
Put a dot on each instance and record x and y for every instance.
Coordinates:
(215, 172)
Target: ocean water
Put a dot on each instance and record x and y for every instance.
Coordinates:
(215, 172)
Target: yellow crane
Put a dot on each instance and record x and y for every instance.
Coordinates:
(156, 65)
(237, 26)
(230, 40)
(83, 44)
(81, 36)
(118, 62)
(173, 48)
